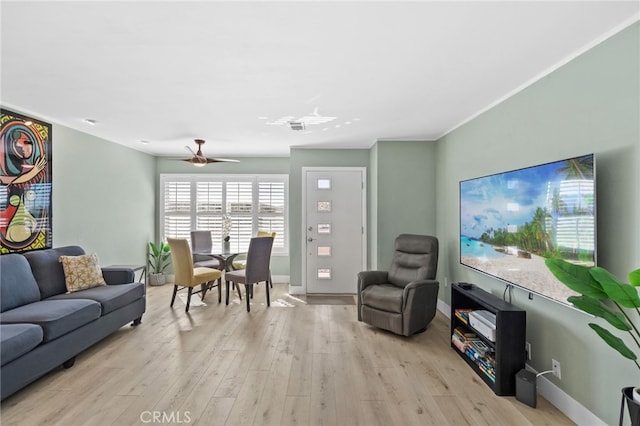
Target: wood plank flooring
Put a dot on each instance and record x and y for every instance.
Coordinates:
(290, 364)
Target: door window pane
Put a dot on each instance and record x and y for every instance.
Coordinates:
(324, 250)
(324, 273)
(324, 228)
(324, 206)
(324, 183)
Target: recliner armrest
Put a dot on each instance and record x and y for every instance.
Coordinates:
(115, 276)
(419, 286)
(367, 278)
(419, 293)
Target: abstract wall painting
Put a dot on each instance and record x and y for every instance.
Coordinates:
(25, 183)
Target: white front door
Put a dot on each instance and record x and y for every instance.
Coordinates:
(334, 228)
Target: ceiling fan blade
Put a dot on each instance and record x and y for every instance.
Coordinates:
(222, 160)
(196, 160)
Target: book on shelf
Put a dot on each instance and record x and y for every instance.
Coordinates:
(463, 315)
(465, 335)
(458, 343)
(490, 374)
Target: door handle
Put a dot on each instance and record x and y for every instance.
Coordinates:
(310, 239)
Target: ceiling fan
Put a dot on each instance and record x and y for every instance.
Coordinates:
(200, 160)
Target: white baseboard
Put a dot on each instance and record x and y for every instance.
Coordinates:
(444, 308)
(571, 408)
(280, 279)
(296, 289)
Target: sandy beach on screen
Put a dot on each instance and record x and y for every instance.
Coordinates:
(531, 272)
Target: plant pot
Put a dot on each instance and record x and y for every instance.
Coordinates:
(633, 406)
(157, 279)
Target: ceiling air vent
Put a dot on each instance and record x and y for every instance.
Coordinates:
(296, 125)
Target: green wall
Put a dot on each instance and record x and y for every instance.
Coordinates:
(247, 165)
(589, 105)
(405, 182)
(103, 197)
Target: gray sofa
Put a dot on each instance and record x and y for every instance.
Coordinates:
(43, 327)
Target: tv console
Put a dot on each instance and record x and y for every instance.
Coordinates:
(495, 362)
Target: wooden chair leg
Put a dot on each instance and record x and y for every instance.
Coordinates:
(226, 302)
(249, 289)
(175, 291)
(188, 299)
(268, 298)
(219, 290)
(203, 289)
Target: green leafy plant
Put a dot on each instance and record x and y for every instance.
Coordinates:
(159, 257)
(604, 296)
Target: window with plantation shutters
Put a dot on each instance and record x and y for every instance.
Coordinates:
(199, 202)
(271, 207)
(177, 208)
(239, 207)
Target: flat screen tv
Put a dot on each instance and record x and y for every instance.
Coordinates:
(510, 222)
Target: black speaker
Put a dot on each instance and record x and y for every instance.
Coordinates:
(526, 388)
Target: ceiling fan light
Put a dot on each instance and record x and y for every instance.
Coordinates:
(199, 164)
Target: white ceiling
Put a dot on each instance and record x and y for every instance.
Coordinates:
(169, 72)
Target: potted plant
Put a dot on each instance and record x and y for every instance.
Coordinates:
(159, 255)
(604, 296)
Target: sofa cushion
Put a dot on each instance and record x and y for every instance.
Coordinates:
(48, 270)
(385, 297)
(82, 272)
(111, 297)
(19, 287)
(17, 340)
(56, 317)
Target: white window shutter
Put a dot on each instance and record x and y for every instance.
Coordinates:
(198, 202)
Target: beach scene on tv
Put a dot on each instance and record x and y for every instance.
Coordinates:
(511, 222)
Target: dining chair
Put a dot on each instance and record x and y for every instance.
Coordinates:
(201, 244)
(256, 271)
(186, 276)
(240, 261)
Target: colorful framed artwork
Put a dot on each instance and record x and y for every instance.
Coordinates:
(26, 185)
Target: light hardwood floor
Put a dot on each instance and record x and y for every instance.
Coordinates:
(291, 364)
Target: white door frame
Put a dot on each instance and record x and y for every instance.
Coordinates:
(303, 233)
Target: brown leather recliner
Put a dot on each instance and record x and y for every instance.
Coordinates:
(402, 300)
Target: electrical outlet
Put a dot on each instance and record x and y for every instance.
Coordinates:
(527, 348)
(555, 368)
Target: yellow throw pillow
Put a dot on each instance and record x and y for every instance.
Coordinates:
(82, 272)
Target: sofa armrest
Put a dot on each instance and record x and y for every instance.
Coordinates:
(115, 276)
